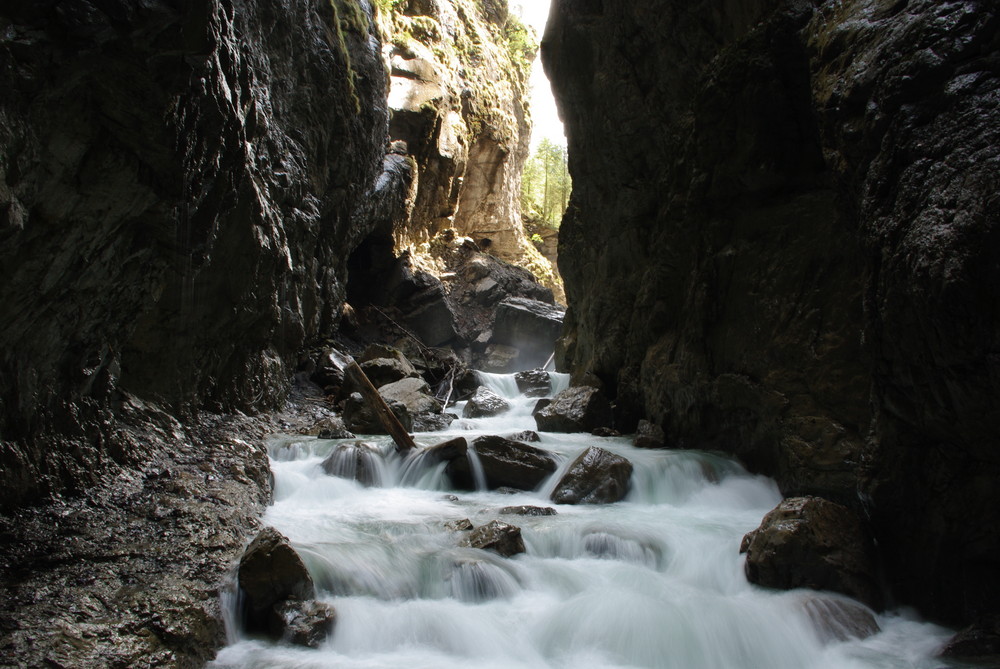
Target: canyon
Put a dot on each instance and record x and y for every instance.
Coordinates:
(780, 244)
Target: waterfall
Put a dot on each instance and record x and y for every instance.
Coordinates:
(654, 581)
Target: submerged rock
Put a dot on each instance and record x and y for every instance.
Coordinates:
(485, 403)
(527, 511)
(496, 536)
(525, 436)
(578, 409)
(302, 623)
(461, 525)
(270, 573)
(533, 383)
(356, 462)
(596, 476)
(810, 542)
(840, 619)
(505, 463)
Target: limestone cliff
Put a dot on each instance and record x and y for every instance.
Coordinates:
(176, 209)
(458, 97)
(781, 243)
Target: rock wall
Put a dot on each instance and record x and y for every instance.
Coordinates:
(181, 187)
(458, 96)
(781, 243)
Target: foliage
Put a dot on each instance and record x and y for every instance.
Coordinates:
(546, 184)
(521, 44)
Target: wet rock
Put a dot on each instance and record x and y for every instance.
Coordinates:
(596, 476)
(433, 422)
(505, 463)
(485, 403)
(381, 371)
(539, 405)
(649, 435)
(463, 525)
(525, 436)
(360, 418)
(498, 537)
(414, 394)
(525, 510)
(605, 432)
(466, 384)
(840, 619)
(270, 573)
(810, 542)
(578, 409)
(331, 428)
(446, 451)
(356, 462)
(533, 383)
(302, 623)
(978, 643)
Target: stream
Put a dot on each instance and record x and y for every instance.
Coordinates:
(653, 581)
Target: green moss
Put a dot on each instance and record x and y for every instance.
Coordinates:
(348, 16)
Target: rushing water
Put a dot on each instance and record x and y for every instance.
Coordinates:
(653, 581)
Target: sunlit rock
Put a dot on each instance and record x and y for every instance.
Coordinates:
(485, 403)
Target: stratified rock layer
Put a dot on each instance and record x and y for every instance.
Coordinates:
(781, 243)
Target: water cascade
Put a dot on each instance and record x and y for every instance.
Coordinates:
(653, 581)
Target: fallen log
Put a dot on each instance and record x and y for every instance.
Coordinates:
(404, 442)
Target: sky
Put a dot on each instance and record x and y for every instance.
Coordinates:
(543, 105)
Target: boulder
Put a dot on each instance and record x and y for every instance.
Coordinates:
(500, 358)
(539, 405)
(485, 403)
(360, 418)
(498, 537)
(530, 326)
(649, 435)
(414, 394)
(525, 510)
(302, 623)
(577, 409)
(810, 542)
(461, 525)
(597, 476)
(605, 432)
(358, 461)
(433, 422)
(270, 573)
(506, 464)
(446, 451)
(836, 619)
(331, 428)
(533, 383)
(381, 371)
(465, 386)
(525, 436)
(978, 643)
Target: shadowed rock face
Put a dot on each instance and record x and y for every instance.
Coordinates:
(176, 206)
(781, 243)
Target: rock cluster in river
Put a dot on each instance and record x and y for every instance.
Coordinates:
(781, 244)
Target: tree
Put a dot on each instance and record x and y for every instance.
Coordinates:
(546, 184)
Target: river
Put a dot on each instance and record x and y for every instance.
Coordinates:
(654, 581)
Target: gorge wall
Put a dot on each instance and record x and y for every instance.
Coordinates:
(176, 211)
(782, 243)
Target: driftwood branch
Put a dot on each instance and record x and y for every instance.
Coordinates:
(404, 442)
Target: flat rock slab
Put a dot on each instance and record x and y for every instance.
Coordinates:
(597, 476)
